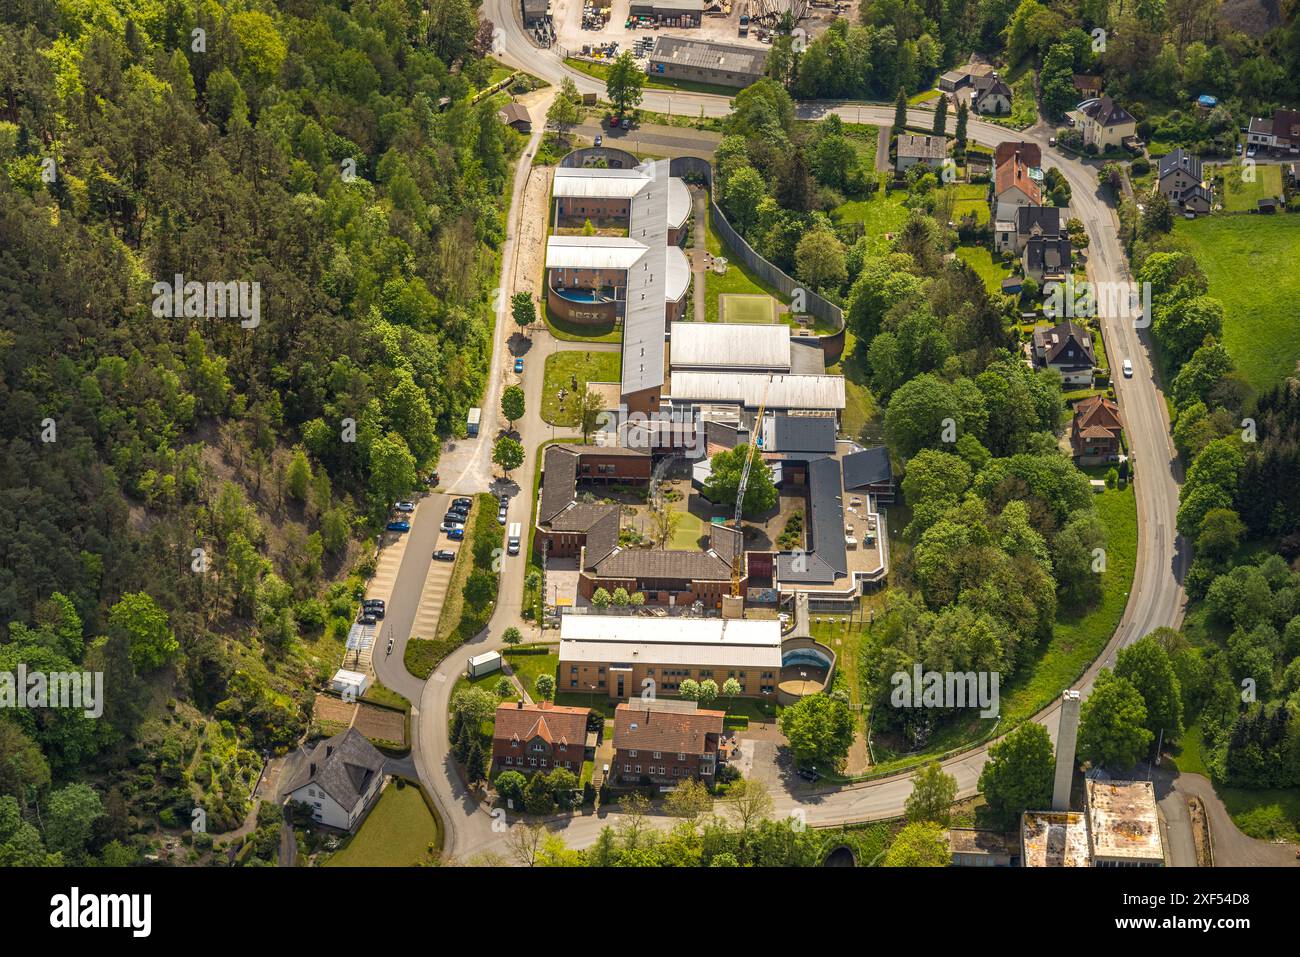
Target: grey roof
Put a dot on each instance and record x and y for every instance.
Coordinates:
(722, 345)
(1046, 218)
(868, 467)
(559, 482)
(661, 563)
(984, 85)
(726, 57)
(1107, 112)
(343, 766)
(1048, 254)
(1181, 159)
(807, 357)
(647, 285)
(1067, 344)
(923, 147)
(827, 556)
(803, 433)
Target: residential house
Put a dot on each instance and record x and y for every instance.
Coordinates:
(990, 95)
(1013, 187)
(929, 150)
(665, 742)
(1104, 123)
(1047, 258)
(1029, 221)
(1280, 132)
(1182, 182)
(339, 779)
(1031, 154)
(1067, 348)
(1095, 432)
(529, 737)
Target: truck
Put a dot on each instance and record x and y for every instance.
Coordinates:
(512, 538)
(744, 20)
(484, 664)
(472, 421)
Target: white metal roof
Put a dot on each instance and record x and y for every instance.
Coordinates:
(592, 252)
(679, 631)
(785, 392)
(643, 318)
(729, 345)
(586, 182)
(679, 274)
(750, 656)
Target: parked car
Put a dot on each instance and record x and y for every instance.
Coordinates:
(461, 503)
(457, 533)
(450, 527)
(1251, 152)
(405, 506)
(444, 555)
(1238, 149)
(501, 513)
(399, 526)
(599, 139)
(366, 618)
(374, 606)
(519, 366)
(1051, 141)
(1128, 368)
(810, 774)
(457, 516)
(433, 480)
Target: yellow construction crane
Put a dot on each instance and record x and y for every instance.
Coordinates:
(755, 439)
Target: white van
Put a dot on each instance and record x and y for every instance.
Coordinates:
(512, 539)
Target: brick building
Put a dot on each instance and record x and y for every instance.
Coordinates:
(539, 737)
(665, 742)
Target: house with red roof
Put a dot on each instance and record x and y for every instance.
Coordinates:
(1096, 432)
(540, 736)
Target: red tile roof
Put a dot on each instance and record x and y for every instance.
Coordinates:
(552, 723)
(680, 732)
(1015, 172)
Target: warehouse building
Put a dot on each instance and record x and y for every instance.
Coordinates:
(723, 64)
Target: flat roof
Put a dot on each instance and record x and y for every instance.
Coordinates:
(973, 840)
(593, 252)
(671, 631)
(718, 656)
(746, 388)
(717, 345)
(1054, 839)
(1123, 821)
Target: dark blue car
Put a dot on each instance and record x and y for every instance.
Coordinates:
(519, 365)
(399, 526)
(456, 534)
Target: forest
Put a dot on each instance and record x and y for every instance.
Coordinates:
(188, 501)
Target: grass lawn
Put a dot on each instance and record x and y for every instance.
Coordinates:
(922, 98)
(1268, 815)
(859, 404)
(396, 833)
(971, 198)
(528, 666)
(759, 310)
(1242, 197)
(882, 212)
(1261, 327)
(561, 370)
(980, 258)
(691, 528)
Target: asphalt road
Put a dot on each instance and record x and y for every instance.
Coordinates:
(1158, 598)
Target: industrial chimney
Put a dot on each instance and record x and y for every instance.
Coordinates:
(1067, 734)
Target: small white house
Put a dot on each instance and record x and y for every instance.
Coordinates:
(339, 779)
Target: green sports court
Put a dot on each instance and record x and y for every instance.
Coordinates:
(743, 307)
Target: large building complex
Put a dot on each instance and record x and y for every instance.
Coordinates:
(702, 61)
(1120, 827)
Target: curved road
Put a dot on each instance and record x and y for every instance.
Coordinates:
(1157, 598)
